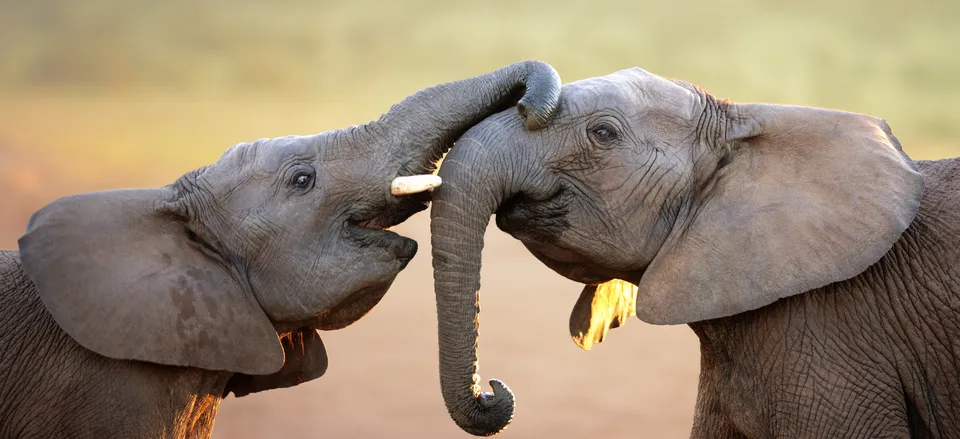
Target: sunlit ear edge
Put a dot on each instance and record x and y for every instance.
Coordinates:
(599, 309)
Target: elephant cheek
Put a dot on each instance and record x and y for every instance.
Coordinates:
(352, 309)
(575, 271)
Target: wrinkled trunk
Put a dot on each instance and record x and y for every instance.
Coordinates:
(475, 184)
(422, 127)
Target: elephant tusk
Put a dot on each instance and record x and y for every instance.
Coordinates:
(414, 184)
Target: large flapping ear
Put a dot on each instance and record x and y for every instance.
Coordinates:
(306, 359)
(121, 275)
(807, 197)
(599, 309)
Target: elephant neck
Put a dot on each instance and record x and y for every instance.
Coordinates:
(739, 340)
(161, 401)
(195, 415)
(722, 339)
(172, 402)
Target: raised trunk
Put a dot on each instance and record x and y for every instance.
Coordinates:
(474, 187)
(427, 122)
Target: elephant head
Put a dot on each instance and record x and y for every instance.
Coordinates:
(705, 208)
(233, 262)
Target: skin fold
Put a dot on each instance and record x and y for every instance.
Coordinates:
(132, 313)
(817, 263)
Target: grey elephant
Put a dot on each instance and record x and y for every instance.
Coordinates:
(131, 313)
(817, 263)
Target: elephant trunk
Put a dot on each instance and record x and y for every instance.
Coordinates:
(432, 119)
(475, 184)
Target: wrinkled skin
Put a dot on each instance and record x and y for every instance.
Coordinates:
(817, 263)
(131, 313)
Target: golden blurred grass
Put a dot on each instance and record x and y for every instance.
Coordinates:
(107, 93)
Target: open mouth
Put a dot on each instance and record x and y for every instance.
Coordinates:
(380, 223)
(399, 210)
(374, 229)
(382, 217)
(371, 231)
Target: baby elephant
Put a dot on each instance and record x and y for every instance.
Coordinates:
(132, 313)
(818, 264)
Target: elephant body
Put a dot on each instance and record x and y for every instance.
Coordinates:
(816, 261)
(874, 356)
(83, 395)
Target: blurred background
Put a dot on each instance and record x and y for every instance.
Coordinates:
(104, 94)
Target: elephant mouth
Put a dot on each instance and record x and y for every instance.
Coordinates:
(389, 216)
(541, 224)
(537, 217)
(372, 229)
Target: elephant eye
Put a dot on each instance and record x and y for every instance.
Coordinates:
(604, 133)
(302, 179)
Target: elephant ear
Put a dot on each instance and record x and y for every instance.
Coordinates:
(306, 359)
(599, 309)
(806, 197)
(119, 272)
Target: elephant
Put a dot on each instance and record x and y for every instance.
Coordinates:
(133, 312)
(816, 262)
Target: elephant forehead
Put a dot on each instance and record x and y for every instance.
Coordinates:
(267, 156)
(591, 94)
(630, 89)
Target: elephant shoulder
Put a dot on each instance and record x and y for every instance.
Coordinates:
(940, 208)
(11, 271)
(19, 301)
(942, 184)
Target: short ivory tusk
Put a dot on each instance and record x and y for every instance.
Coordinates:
(414, 184)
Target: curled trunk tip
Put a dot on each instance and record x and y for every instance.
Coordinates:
(491, 413)
(456, 106)
(542, 97)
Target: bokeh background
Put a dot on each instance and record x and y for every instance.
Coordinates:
(103, 94)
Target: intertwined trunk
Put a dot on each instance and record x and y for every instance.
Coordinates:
(475, 184)
(426, 124)
(423, 127)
